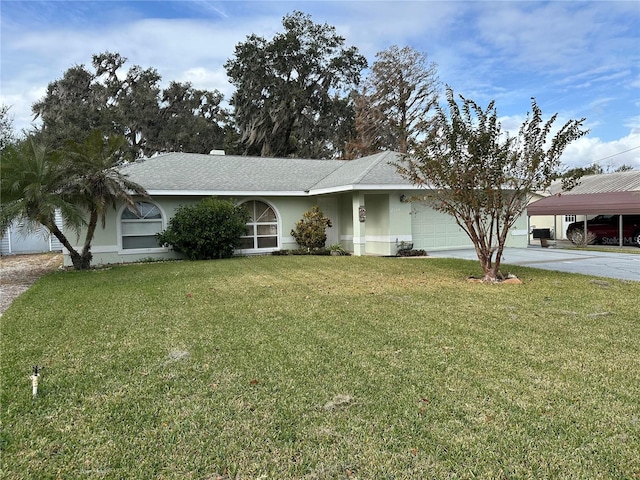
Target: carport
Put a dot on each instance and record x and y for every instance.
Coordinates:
(620, 203)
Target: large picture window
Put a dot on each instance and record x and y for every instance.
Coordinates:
(139, 229)
(262, 227)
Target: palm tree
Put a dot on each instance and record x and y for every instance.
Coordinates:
(31, 181)
(96, 183)
(80, 181)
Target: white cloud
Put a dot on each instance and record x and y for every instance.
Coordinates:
(20, 106)
(633, 123)
(589, 150)
(559, 36)
(180, 50)
(609, 155)
(207, 79)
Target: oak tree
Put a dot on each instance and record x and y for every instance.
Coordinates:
(130, 103)
(292, 92)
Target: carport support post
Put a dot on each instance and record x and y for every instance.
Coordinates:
(357, 204)
(620, 231)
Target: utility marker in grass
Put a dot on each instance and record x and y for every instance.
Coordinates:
(34, 379)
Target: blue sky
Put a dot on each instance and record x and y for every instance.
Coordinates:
(578, 59)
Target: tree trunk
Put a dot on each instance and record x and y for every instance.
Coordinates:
(79, 261)
(490, 274)
(73, 253)
(496, 264)
(84, 261)
(490, 269)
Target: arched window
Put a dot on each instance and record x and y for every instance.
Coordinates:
(262, 227)
(139, 229)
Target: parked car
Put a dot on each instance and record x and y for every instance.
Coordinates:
(604, 229)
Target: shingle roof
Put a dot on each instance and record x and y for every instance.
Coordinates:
(367, 172)
(185, 173)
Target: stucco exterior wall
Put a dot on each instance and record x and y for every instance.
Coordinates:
(345, 221)
(376, 224)
(388, 222)
(399, 220)
(107, 244)
(518, 235)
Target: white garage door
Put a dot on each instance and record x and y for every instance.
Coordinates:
(24, 240)
(432, 230)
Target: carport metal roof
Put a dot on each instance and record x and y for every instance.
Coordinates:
(603, 194)
(623, 203)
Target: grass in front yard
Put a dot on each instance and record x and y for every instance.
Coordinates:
(321, 368)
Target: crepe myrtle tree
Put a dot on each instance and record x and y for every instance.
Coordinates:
(482, 176)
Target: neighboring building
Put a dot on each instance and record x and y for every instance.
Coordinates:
(615, 193)
(19, 239)
(366, 200)
(543, 221)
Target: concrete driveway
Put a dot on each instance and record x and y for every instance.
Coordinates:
(624, 266)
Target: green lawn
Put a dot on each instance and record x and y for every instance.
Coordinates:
(321, 368)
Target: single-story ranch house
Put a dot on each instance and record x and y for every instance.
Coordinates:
(366, 200)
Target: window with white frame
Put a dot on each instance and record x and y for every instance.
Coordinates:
(262, 227)
(569, 218)
(138, 229)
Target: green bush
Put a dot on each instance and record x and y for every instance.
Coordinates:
(208, 230)
(310, 231)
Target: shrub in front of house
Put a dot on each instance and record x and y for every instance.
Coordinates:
(310, 231)
(210, 229)
(411, 253)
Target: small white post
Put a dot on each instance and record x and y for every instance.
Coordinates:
(34, 380)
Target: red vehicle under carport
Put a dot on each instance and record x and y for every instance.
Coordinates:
(605, 230)
(614, 206)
